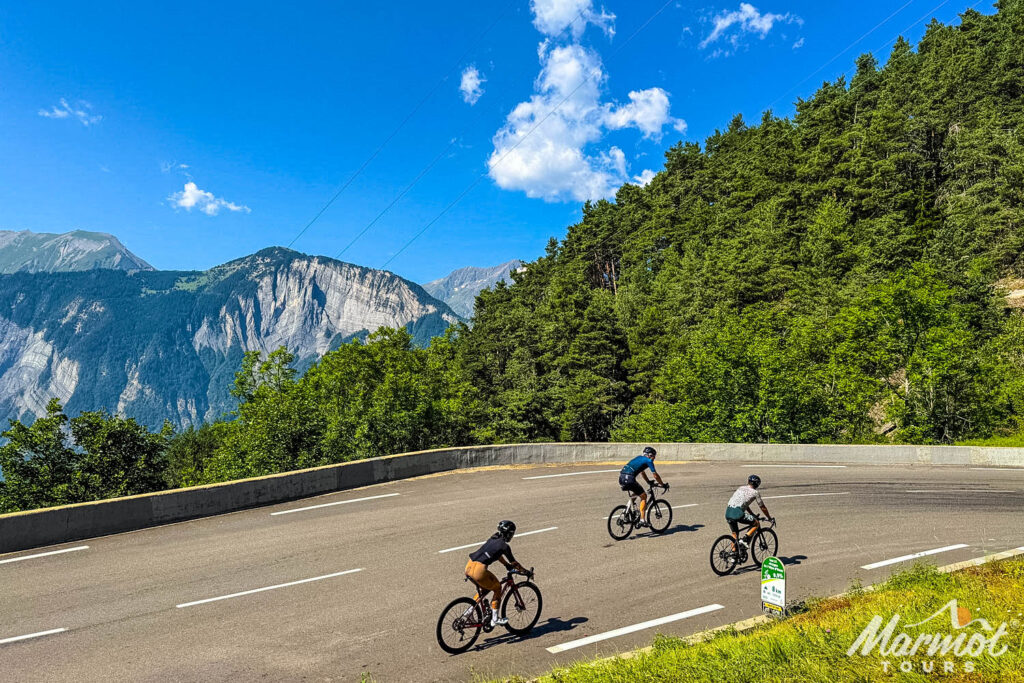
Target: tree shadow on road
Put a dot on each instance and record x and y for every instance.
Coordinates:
(789, 561)
(550, 625)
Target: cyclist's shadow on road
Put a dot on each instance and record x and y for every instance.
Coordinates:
(645, 534)
(550, 625)
(786, 560)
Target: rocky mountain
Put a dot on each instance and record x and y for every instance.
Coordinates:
(459, 288)
(164, 344)
(35, 252)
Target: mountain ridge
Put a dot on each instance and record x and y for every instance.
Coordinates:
(460, 287)
(76, 250)
(155, 344)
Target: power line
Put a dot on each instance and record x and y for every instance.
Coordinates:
(421, 174)
(742, 148)
(483, 175)
(894, 38)
(401, 125)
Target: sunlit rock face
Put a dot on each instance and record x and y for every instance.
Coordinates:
(159, 345)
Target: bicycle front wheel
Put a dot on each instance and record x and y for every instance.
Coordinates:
(659, 516)
(724, 555)
(459, 626)
(620, 524)
(521, 606)
(765, 545)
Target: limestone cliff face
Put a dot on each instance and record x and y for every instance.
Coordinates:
(156, 345)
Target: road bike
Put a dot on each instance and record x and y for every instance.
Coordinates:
(625, 517)
(463, 619)
(727, 554)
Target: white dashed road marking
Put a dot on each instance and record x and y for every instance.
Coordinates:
(632, 629)
(337, 502)
(52, 552)
(32, 635)
(923, 553)
(268, 588)
(473, 545)
(570, 474)
(808, 495)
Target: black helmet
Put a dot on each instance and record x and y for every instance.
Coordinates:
(650, 452)
(754, 480)
(506, 529)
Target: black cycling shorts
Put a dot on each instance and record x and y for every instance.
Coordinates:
(628, 483)
(734, 520)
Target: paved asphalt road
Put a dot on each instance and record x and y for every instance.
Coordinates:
(124, 601)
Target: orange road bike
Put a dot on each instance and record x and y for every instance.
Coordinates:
(463, 619)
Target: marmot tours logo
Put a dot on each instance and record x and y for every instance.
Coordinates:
(967, 639)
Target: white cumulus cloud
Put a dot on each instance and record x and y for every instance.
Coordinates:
(82, 112)
(191, 197)
(552, 17)
(647, 110)
(544, 147)
(471, 85)
(646, 176)
(747, 19)
(798, 44)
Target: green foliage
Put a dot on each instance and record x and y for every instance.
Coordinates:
(108, 456)
(813, 644)
(828, 278)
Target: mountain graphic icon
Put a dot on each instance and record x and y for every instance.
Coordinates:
(959, 617)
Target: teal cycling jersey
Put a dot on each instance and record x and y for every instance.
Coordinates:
(638, 465)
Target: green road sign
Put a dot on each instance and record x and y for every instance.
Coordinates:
(773, 586)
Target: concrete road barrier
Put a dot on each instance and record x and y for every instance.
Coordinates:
(34, 528)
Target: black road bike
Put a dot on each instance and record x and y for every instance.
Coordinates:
(727, 553)
(625, 517)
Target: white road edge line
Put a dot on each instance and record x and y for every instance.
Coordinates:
(923, 553)
(801, 466)
(570, 474)
(268, 588)
(473, 545)
(52, 552)
(337, 502)
(631, 629)
(33, 635)
(807, 495)
(961, 491)
(674, 507)
(999, 469)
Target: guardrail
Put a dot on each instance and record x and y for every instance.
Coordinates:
(34, 528)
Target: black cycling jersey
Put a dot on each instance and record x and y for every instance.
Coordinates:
(490, 551)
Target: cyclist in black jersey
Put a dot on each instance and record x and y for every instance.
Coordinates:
(495, 548)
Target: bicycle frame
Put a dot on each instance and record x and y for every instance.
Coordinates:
(651, 497)
(480, 607)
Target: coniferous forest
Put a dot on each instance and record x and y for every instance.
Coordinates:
(839, 276)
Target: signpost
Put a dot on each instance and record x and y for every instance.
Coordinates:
(773, 587)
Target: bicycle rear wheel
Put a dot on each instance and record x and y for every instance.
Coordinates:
(659, 516)
(459, 626)
(764, 545)
(620, 523)
(521, 607)
(724, 555)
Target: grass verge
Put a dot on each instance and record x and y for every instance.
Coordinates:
(813, 645)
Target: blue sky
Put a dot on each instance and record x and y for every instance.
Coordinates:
(201, 132)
